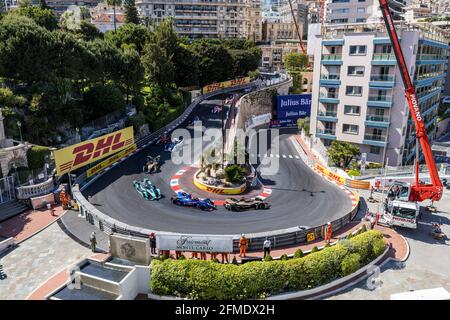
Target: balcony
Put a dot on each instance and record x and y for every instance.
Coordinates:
(329, 134)
(328, 98)
(330, 80)
(378, 101)
(374, 140)
(331, 59)
(334, 42)
(383, 59)
(428, 59)
(328, 116)
(427, 95)
(374, 121)
(427, 79)
(381, 81)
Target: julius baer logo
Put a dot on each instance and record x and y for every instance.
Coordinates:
(187, 243)
(295, 102)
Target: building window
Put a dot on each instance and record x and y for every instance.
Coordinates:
(361, 20)
(356, 71)
(358, 50)
(353, 91)
(361, 10)
(350, 128)
(341, 10)
(375, 150)
(352, 110)
(345, 20)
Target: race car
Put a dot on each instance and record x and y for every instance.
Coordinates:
(233, 204)
(172, 145)
(163, 139)
(152, 164)
(185, 199)
(147, 189)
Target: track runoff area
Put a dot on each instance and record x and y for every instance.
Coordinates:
(297, 195)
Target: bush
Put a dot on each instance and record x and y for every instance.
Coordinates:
(327, 245)
(298, 254)
(284, 257)
(314, 249)
(350, 264)
(36, 157)
(350, 235)
(268, 258)
(182, 257)
(235, 173)
(353, 172)
(199, 279)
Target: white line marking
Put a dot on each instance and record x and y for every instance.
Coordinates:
(290, 157)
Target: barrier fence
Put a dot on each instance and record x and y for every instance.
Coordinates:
(280, 238)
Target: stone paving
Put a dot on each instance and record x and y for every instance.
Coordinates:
(35, 260)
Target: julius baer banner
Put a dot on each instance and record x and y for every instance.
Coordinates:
(194, 243)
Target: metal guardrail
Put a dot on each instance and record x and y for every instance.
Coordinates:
(280, 238)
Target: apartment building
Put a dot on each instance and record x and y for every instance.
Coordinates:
(102, 16)
(208, 18)
(6, 5)
(360, 11)
(60, 6)
(358, 94)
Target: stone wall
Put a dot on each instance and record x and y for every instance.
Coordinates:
(260, 102)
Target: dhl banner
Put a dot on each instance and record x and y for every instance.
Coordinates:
(83, 153)
(226, 84)
(329, 174)
(106, 163)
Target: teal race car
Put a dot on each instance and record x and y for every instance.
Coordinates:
(147, 189)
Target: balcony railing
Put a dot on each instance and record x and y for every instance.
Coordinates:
(423, 94)
(381, 77)
(377, 118)
(331, 132)
(331, 57)
(380, 98)
(328, 114)
(331, 76)
(429, 75)
(329, 95)
(374, 137)
(383, 56)
(431, 57)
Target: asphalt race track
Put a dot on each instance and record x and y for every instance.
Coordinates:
(299, 196)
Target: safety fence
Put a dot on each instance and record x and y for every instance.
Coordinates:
(279, 238)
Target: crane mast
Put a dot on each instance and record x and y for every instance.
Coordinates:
(419, 191)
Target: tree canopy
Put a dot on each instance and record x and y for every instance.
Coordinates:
(341, 153)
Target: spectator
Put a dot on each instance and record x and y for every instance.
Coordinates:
(93, 240)
(153, 243)
(202, 255)
(177, 254)
(266, 246)
(213, 255)
(243, 242)
(372, 221)
(328, 233)
(194, 255)
(224, 256)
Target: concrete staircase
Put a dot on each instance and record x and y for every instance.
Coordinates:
(10, 209)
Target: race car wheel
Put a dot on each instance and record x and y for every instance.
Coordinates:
(175, 201)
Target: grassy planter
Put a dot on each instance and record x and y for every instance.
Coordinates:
(197, 279)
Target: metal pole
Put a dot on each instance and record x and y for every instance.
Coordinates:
(384, 184)
(223, 131)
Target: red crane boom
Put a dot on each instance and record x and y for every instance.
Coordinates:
(419, 191)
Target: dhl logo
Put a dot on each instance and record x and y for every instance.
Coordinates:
(214, 190)
(221, 85)
(86, 152)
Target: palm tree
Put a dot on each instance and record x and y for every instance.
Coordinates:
(114, 3)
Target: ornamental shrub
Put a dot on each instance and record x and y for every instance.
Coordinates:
(199, 279)
(284, 257)
(268, 258)
(314, 249)
(350, 264)
(36, 157)
(298, 253)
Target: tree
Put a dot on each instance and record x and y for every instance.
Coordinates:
(43, 5)
(185, 67)
(304, 124)
(43, 17)
(214, 62)
(341, 153)
(101, 100)
(132, 72)
(114, 3)
(294, 63)
(131, 13)
(245, 60)
(131, 35)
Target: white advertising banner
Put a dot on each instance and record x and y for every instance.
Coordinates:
(194, 243)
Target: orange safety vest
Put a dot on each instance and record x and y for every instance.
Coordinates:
(242, 241)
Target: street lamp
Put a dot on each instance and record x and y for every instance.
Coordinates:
(19, 125)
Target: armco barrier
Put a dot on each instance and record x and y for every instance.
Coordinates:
(279, 238)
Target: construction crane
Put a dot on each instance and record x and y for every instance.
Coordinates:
(297, 28)
(418, 191)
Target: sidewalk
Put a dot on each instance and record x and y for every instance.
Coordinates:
(307, 150)
(29, 223)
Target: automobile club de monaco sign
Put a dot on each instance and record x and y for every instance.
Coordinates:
(195, 243)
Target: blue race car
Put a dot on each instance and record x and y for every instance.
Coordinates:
(147, 189)
(185, 199)
(170, 146)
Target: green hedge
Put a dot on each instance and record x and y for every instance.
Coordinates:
(198, 279)
(36, 157)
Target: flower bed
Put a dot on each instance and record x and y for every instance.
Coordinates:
(197, 279)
